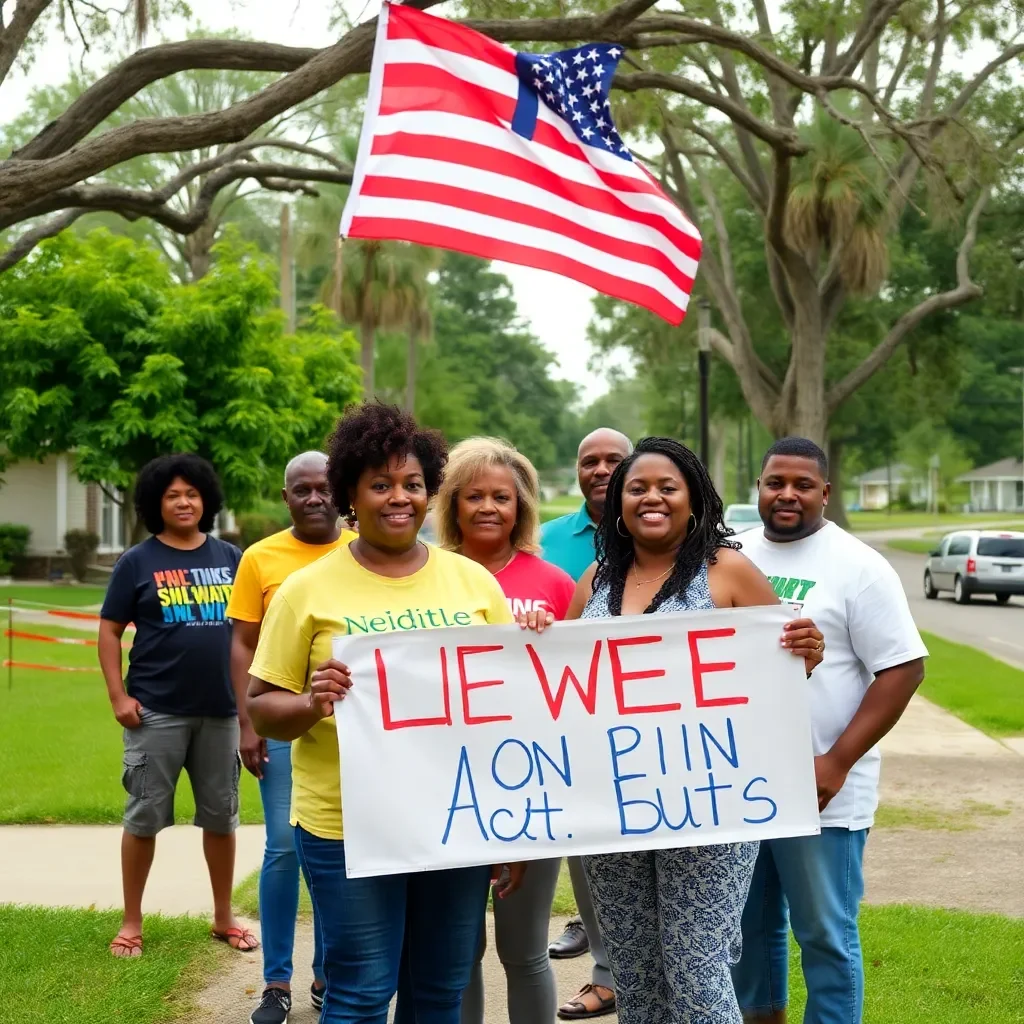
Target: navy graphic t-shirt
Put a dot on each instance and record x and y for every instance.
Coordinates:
(180, 661)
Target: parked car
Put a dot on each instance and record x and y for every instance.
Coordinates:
(740, 518)
(971, 562)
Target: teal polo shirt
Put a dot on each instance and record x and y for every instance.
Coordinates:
(568, 542)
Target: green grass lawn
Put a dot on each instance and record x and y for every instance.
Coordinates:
(54, 595)
(55, 968)
(560, 506)
(867, 521)
(925, 966)
(983, 691)
(914, 545)
(60, 747)
(927, 544)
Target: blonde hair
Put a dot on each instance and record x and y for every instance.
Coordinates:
(465, 462)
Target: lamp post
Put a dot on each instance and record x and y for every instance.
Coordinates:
(703, 366)
(1020, 370)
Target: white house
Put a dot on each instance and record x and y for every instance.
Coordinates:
(998, 487)
(880, 486)
(49, 499)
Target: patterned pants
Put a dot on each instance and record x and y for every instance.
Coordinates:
(670, 920)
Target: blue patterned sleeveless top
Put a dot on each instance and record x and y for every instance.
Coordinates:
(697, 596)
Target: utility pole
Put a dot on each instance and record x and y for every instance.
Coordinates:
(1020, 370)
(703, 367)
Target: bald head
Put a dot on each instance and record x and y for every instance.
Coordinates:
(308, 497)
(303, 463)
(606, 437)
(599, 453)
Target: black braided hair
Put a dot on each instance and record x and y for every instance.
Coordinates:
(615, 552)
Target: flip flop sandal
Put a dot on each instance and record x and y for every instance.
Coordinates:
(576, 1009)
(127, 944)
(239, 935)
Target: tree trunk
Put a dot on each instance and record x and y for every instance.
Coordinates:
(719, 440)
(835, 510)
(410, 373)
(367, 332)
(808, 414)
(287, 282)
(197, 250)
(336, 281)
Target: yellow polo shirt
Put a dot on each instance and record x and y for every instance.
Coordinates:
(267, 564)
(336, 596)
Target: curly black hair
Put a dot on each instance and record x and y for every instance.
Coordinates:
(371, 433)
(802, 448)
(156, 476)
(615, 552)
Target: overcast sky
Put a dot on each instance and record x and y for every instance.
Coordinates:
(557, 309)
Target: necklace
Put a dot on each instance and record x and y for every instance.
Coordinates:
(641, 583)
(509, 562)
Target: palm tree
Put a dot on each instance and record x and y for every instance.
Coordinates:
(837, 203)
(384, 285)
(371, 285)
(417, 268)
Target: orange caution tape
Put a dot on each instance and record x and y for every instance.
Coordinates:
(18, 634)
(47, 668)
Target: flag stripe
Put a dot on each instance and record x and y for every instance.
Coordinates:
(420, 69)
(469, 154)
(519, 234)
(448, 35)
(488, 191)
(490, 248)
(445, 137)
(439, 165)
(414, 187)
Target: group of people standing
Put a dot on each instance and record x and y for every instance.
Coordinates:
(666, 928)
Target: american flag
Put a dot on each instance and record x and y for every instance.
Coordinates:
(469, 145)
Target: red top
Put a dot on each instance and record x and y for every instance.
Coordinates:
(531, 584)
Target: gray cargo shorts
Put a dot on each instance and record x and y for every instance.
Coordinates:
(154, 755)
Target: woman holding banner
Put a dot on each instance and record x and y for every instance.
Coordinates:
(488, 510)
(383, 469)
(670, 919)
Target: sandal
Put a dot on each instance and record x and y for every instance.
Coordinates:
(234, 937)
(577, 1009)
(126, 947)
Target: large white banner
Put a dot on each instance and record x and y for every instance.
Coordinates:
(492, 744)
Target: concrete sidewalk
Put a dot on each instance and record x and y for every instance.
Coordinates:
(80, 866)
(926, 730)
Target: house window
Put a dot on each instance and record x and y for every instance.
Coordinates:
(110, 522)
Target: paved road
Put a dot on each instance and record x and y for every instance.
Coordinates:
(999, 630)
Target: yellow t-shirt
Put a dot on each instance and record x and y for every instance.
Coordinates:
(336, 596)
(267, 564)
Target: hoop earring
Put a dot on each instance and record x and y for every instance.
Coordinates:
(618, 524)
(690, 529)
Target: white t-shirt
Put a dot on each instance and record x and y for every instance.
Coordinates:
(857, 601)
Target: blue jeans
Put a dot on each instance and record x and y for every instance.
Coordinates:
(821, 880)
(279, 877)
(436, 917)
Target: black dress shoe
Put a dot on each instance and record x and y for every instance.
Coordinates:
(571, 943)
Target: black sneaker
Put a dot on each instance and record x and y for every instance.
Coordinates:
(316, 995)
(274, 1007)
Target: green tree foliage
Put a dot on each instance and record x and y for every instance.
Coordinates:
(484, 372)
(107, 357)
